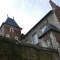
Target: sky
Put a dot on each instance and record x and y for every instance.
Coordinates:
(25, 12)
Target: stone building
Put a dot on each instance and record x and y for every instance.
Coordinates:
(10, 29)
(46, 33)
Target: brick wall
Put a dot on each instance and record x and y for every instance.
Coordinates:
(57, 12)
(17, 31)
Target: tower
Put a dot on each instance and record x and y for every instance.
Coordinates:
(11, 29)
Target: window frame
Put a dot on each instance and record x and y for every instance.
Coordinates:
(7, 35)
(35, 41)
(11, 29)
(43, 28)
(16, 38)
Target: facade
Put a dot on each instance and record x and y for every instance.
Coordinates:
(10, 29)
(47, 31)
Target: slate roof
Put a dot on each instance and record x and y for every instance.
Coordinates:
(51, 26)
(11, 22)
(48, 28)
(50, 12)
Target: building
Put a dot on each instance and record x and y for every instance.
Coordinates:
(46, 33)
(10, 29)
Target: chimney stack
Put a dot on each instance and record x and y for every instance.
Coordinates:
(53, 5)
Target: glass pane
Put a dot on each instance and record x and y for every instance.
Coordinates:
(35, 39)
(43, 29)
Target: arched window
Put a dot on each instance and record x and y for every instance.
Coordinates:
(16, 38)
(11, 29)
(7, 35)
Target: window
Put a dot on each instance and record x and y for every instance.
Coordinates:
(43, 29)
(7, 35)
(11, 30)
(35, 39)
(16, 38)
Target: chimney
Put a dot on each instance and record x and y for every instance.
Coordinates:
(53, 5)
(56, 9)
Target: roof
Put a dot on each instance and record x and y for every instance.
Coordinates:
(11, 22)
(48, 28)
(38, 23)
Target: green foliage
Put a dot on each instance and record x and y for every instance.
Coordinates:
(9, 50)
(6, 40)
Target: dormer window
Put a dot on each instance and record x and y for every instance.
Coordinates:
(7, 35)
(43, 29)
(11, 30)
(16, 38)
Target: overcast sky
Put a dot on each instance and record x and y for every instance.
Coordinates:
(26, 12)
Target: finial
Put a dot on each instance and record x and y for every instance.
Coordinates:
(13, 17)
(7, 16)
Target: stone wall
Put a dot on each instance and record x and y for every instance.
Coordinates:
(11, 51)
(52, 18)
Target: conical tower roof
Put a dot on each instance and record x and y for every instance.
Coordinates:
(11, 22)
